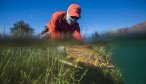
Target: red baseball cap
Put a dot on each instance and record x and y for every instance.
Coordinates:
(74, 10)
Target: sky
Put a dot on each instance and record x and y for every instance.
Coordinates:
(96, 15)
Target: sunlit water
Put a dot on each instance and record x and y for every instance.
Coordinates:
(130, 56)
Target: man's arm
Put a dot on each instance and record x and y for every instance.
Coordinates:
(77, 34)
(53, 27)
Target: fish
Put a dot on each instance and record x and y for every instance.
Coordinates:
(78, 55)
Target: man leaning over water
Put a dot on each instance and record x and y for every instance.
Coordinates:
(64, 24)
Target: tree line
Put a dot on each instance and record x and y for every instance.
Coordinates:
(20, 29)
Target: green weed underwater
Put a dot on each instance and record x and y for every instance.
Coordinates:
(29, 65)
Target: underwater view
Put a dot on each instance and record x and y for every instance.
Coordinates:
(130, 56)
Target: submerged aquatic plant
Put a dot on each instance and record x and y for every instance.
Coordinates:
(41, 65)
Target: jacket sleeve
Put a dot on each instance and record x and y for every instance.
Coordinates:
(53, 25)
(77, 34)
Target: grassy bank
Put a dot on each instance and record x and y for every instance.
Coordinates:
(40, 65)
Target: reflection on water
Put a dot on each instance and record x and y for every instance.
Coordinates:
(130, 56)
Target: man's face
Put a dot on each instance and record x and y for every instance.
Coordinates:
(71, 20)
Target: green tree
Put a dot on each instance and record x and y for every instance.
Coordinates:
(21, 29)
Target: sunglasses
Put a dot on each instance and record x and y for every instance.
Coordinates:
(74, 17)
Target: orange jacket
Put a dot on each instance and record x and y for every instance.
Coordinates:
(58, 26)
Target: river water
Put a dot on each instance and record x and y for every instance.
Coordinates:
(130, 57)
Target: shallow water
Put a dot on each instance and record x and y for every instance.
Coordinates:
(130, 56)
